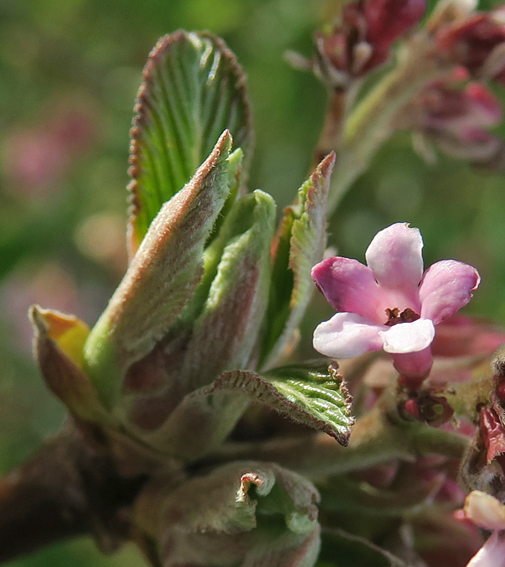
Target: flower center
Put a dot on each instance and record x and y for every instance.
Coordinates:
(406, 316)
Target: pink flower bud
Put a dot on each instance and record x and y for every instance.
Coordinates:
(387, 20)
(363, 40)
(456, 119)
(474, 41)
(461, 335)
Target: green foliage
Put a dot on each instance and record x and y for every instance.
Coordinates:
(243, 513)
(299, 245)
(313, 394)
(161, 278)
(193, 89)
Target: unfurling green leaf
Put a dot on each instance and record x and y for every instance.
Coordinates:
(219, 331)
(226, 331)
(193, 89)
(299, 245)
(244, 513)
(314, 394)
(162, 277)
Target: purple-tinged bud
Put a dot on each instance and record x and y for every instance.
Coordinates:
(387, 20)
(477, 43)
(362, 41)
(428, 408)
(456, 110)
(457, 119)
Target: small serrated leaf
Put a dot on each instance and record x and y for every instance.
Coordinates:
(193, 89)
(162, 277)
(314, 394)
(299, 244)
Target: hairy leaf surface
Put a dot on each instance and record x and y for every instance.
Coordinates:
(299, 245)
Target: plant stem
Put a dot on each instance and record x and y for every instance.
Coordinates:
(371, 121)
(39, 504)
(374, 440)
(66, 490)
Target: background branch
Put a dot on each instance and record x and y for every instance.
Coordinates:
(67, 489)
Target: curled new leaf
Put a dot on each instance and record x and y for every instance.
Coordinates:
(59, 340)
(193, 89)
(217, 331)
(162, 277)
(313, 394)
(299, 244)
(244, 513)
(226, 331)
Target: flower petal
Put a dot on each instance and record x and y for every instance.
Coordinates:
(408, 337)
(395, 257)
(347, 335)
(491, 554)
(446, 287)
(485, 510)
(348, 286)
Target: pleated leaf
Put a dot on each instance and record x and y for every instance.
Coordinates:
(226, 331)
(193, 89)
(299, 244)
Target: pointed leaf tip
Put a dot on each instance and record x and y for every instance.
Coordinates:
(67, 331)
(325, 167)
(162, 277)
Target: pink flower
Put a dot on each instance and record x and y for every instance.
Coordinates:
(390, 304)
(488, 513)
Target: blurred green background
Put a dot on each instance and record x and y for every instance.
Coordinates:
(69, 71)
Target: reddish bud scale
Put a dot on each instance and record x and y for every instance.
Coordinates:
(492, 432)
